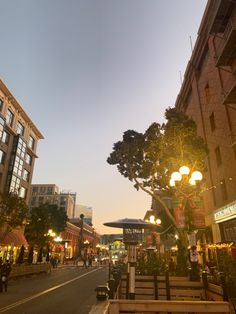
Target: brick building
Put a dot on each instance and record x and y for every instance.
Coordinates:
(208, 95)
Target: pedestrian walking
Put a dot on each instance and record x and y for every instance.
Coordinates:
(5, 272)
(90, 261)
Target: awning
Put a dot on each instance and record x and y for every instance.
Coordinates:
(14, 237)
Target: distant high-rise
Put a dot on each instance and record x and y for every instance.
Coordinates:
(18, 144)
(50, 193)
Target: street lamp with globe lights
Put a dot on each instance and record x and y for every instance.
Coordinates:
(185, 184)
(151, 217)
(184, 175)
(186, 188)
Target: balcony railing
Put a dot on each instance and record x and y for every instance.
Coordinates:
(226, 51)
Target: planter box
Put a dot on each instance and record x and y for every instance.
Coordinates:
(24, 269)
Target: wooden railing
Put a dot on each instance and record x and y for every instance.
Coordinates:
(25, 270)
(160, 306)
(162, 288)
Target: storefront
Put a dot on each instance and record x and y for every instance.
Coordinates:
(225, 218)
(11, 244)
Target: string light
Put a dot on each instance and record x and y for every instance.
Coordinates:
(220, 245)
(205, 189)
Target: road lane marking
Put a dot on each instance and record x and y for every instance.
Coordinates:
(34, 296)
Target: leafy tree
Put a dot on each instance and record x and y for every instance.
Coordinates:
(13, 212)
(43, 218)
(148, 159)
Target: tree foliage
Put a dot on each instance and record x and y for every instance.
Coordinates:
(13, 212)
(43, 218)
(148, 159)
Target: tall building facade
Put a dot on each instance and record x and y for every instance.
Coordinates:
(208, 95)
(50, 193)
(18, 145)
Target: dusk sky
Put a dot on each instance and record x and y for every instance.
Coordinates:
(86, 71)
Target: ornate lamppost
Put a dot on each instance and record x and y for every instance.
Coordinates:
(186, 187)
(81, 235)
(151, 217)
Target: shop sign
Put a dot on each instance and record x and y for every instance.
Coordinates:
(131, 235)
(225, 212)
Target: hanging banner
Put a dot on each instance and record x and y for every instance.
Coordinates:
(198, 213)
(179, 217)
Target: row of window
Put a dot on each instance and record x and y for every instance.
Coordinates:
(41, 200)
(228, 230)
(48, 190)
(15, 187)
(20, 129)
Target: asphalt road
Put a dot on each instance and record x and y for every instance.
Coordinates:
(67, 290)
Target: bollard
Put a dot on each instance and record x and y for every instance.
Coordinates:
(204, 279)
(155, 287)
(102, 292)
(111, 285)
(167, 284)
(205, 282)
(223, 286)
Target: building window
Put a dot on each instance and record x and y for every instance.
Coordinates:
(207, 94)
(15, 184)
(9, 117)
(21, 148)
(5, 137)
(31, 142)
(33, 201)
(35, 189)
(18, 166)
(2, 157)
(63, 201)
(49, 190)
(223, 190)
(20, 128)
(218, 156)
(42, 189)
(212, 121)
(26, 175)
(2, 122)
(203, 61)
(1, 104)
(40, 199)
(22, 192)
(28, 159)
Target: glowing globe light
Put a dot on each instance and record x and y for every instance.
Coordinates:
(192, 181)
(197, 176)
(176, 176)
(184, 170)
(172, 182)
(158, 221)
(58, 239)
(152, 219)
